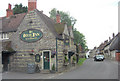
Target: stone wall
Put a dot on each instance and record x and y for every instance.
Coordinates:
(1, 66)
(60, 55)
(1, 47)
(20, 60)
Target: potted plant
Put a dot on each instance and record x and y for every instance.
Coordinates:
(53, 68)
(74, 60)
(66, 61)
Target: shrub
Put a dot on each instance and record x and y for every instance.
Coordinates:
(53, 67)
(66, 60)
(74, 58)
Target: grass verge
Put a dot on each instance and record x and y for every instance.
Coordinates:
(81, 60)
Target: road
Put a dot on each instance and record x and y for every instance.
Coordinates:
(89, 70)
(93, 70)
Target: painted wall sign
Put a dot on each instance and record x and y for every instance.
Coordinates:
(31, 35)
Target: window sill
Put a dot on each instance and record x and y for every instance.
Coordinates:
(4, 39)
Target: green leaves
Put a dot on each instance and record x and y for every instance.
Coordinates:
(65, 17)
(19, 8)
(81, 61)
(79, 38)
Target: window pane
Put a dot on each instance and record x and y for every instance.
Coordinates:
(4, 35)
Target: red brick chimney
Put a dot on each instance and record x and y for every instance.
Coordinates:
(70, 27)
(58, 19)
(32, 4)
(9, 11)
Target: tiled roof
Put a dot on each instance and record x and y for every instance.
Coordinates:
(10, 24)
(102, 45)
(6, 46)
(115, 44)
(51, 25)
(59, 28)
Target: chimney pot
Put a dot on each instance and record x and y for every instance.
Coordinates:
(9, 6)
(9, 11)
(42, 11)
(70, 27)
(109, 38)
(58, 19)
(113, 35)
(32, 4)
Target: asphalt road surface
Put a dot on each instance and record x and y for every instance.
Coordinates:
(92, 70)
(89, 70)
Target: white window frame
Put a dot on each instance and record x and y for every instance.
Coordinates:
(4, 36)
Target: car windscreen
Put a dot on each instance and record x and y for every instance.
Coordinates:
(99, 56)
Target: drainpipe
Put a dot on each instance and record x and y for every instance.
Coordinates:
(56, 57)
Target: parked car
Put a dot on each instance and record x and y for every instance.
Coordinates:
(103, 57)
(99, 58)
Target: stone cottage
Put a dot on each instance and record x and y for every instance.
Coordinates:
(112, 48)
(34, 38)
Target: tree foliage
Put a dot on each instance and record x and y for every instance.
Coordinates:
(19, 8)
(65, 17)
(79, 38)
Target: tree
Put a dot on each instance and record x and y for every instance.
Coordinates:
(79, 38)
(19, 8)
(65, 17)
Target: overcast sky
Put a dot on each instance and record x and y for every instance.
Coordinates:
(96, 19)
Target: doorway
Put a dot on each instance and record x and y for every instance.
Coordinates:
(5, 61)
(46, 60)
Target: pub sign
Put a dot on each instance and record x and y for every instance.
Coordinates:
(31, 35)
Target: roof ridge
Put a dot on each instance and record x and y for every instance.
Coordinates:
(12, 23)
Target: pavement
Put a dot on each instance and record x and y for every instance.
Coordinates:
(21, 75)
(89, 70)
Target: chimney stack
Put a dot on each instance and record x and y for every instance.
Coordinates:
(113, 35)
(9, 11)
(32, 4)
(109, 38)
(70, 27)
(9, 6)
(58, 19)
